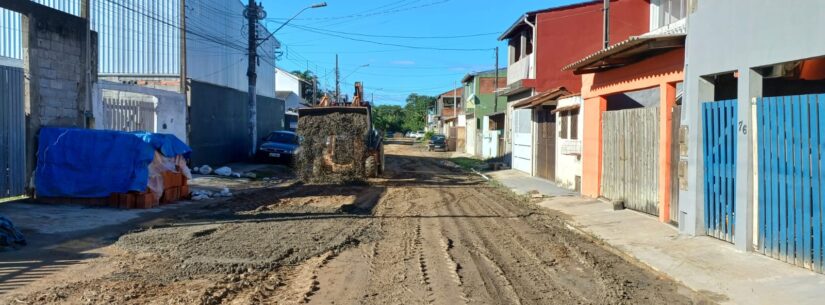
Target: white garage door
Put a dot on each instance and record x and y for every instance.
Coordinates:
(523, 140)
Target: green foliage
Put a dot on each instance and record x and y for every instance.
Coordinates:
(427, 136)
(388, 118)
(416, 111)
(306, 85)
(411, 117)
(468, 163)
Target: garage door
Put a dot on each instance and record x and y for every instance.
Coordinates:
(523, 140)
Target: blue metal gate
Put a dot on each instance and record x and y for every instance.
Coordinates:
(720, 125)
(12, 133)
(790, 148)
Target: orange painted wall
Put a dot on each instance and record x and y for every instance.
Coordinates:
(592, 145)
(662, 71)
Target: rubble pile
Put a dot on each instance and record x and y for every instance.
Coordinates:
(342, 137)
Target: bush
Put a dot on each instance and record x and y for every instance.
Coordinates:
(427, 136)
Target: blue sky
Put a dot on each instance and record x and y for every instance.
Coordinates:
(395, 70)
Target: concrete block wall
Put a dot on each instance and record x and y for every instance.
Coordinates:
(54, 61)
(59, 64)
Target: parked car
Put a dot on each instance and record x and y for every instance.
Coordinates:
(437, 142)
(389, 135)
(417, 135)
(279, 145)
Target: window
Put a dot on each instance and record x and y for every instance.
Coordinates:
(668, 11)
(569, 125)
(574, 124)
(565, 118)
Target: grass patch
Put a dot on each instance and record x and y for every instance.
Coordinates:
(468, 163)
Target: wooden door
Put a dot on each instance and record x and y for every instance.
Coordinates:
(546, 143)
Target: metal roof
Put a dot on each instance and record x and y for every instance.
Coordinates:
(669, 37)
(542, 98)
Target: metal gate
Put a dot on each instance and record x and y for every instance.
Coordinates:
(719, 121)
(12, 133)
(523, 140)
(129, 115)
(790, 150)
(630, 156)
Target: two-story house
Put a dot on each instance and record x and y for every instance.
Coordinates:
(541, 43)
(485, 112)
(631, 90)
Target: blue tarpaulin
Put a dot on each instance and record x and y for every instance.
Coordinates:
(84, 163)
(167, 144)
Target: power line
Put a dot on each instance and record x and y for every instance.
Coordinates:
(303, 27)
(390, 11)
(399, 45)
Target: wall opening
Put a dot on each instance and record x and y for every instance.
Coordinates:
(799, 77)
(633, 99)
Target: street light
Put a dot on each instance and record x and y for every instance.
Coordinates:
(317, 5)
(356, 70)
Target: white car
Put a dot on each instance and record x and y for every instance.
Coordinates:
(417, 135)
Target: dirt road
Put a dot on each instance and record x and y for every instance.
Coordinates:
(424, 234)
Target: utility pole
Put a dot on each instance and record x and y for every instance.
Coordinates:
(496, 86)
(183, 48)
(337, 81)
(455, 99)
(606, 24)
(252, 14)
(314, 99)
(85, 12)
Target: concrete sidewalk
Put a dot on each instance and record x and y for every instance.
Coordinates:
(704, 264)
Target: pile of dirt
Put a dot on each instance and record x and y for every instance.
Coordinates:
(344, 135)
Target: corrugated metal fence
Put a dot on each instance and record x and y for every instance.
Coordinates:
(12, 133)
(791, 179)
(630, 156)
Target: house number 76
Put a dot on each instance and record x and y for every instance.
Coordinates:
(743, 128)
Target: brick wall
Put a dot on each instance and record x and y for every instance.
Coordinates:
(487, 85)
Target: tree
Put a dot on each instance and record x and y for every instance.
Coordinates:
(388, 118)
(415, 112)
(308, 78)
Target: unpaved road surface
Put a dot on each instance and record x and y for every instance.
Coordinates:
(423, 234)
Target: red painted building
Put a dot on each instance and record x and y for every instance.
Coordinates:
(564, 35)
(541, 43)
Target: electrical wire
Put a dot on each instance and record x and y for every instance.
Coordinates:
(304, 27)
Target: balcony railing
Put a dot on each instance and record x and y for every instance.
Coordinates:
(522, 69)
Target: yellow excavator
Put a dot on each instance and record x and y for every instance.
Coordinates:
(338, 141)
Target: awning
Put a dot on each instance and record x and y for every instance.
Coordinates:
(542, 98)
(632, 50)
(566, 108)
